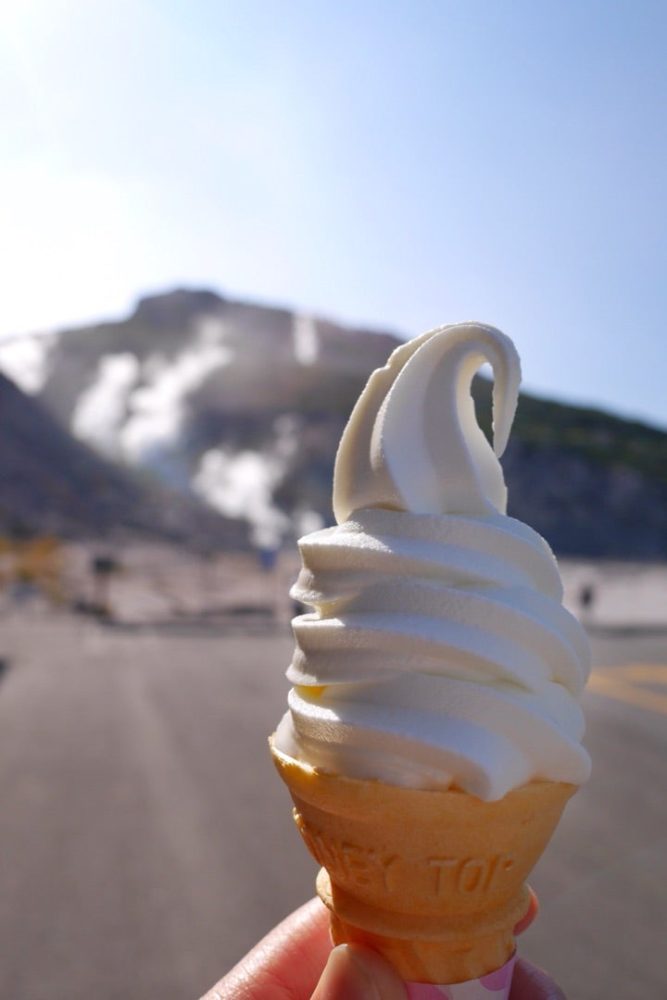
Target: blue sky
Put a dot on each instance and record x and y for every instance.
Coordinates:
(396, 164)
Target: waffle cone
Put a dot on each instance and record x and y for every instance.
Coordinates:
(433, 880)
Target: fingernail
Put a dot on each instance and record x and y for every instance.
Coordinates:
(355, 973)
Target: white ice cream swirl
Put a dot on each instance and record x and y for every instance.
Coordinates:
(439, 652)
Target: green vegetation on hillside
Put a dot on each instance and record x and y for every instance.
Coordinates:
(605, 439)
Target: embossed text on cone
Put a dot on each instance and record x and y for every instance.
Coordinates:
(434, 880)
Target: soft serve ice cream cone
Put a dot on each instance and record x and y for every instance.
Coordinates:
(434, 732)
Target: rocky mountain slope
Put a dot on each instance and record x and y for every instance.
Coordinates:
(242, 406)
(52, 484)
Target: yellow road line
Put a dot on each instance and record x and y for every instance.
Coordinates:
(647, 672)
(625, 684)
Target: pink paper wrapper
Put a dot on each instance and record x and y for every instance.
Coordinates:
(495, 986)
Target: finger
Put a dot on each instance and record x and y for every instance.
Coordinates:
(356, 973)
(286, 964)
(531, 983)
(529, 915)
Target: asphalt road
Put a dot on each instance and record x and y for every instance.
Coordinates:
(146, 842)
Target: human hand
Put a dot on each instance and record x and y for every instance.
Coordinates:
(295, 961)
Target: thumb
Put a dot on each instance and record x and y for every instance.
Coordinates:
(356, 973)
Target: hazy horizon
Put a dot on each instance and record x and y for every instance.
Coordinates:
(525, 387)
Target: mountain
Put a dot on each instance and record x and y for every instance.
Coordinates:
(233, 402)
(52, 484)
(592, 483)
(243, 405)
